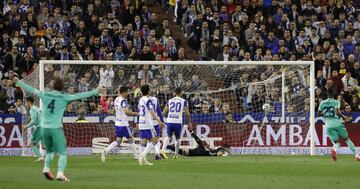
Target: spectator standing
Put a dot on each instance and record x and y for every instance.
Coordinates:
(106, 77)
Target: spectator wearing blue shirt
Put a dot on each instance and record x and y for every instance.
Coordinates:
(349, 46)
(272, 43)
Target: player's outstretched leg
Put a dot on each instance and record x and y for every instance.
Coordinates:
(164, 147)
(36, 151)
(46, 171)
(117, 142)
(351, 145)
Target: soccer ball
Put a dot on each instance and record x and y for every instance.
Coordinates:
(266, 107)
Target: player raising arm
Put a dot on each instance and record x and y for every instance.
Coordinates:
(335, 128)
(176, 108)
(122, 127)
(147, 131)
(34, 123)
(51, 118)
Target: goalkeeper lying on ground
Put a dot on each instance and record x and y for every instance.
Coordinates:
(203, 149)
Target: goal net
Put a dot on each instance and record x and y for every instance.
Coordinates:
(255, 107)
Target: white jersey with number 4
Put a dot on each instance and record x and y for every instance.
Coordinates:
(145, 118)
(120, 106)
(176, 107)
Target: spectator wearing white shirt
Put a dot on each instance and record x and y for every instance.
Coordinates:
(348, 81)
(106, 78)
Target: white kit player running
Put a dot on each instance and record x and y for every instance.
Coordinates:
(147, 131)
(122, 127)
(157, 128)
(174, 121)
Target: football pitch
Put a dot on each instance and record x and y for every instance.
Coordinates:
(265, 172)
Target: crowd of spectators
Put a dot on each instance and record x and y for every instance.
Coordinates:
(325, 31)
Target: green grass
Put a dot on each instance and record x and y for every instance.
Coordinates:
(265, 172)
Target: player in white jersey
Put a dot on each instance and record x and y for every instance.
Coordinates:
(122, 127)
(147, 131)
(174, 121)
(157, 128)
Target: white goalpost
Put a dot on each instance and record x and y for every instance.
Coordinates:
(227, 100)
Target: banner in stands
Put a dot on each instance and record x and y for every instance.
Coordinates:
(248, 136)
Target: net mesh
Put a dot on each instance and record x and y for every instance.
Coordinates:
(236, 104)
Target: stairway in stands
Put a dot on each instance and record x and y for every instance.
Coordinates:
(177, 33)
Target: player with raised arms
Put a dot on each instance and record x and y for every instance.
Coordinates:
(175, 108)
(34, 123)
(122, 127)
(157, 128)
(147, 131)
(51, 125)
(334, 123)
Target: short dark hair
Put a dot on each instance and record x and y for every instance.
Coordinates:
(58, 84)
(123, 89)
(178, 91)
(30, 99)
(331, 93)
(145, 89)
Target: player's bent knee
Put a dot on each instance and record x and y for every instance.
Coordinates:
(154, 140)
(144, 141)
(62, 153)
(119, 140)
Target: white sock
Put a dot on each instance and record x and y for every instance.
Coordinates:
(46, 170)
(111, 146)
(165, 143)
(59, 174)
(148, 148)
(133, 149)
(157, 148)
(177, 146)
(142, 148)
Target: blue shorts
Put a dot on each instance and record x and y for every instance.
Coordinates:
(147, 134)
(123, 131)
(157, 129)
(173, 129)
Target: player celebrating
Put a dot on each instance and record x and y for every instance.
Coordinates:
(176, 107)
(203, 149)
(51, 118)
(35, 123)
(157, 128)
(330, 109)
(122, 127)
(147, 131)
